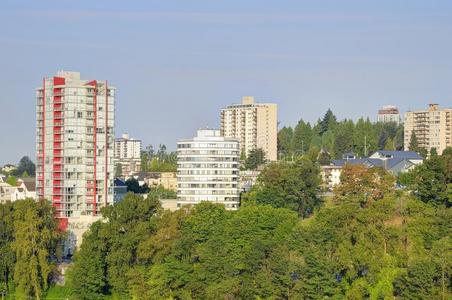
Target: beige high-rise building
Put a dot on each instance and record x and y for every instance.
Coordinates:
(432, 127)
(254, 124)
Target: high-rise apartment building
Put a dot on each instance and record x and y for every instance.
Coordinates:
(208, 169)
(74, 143)
(432, 127)
(389, 113)
(255, 125)
(127, 155)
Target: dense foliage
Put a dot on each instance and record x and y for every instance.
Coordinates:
(160, 161)
(432, 180)
(372, 241)
(338, 137)
(134, 186)
(29, 248)
(255, 159)
(25, 168)
(369, 241)
(291, 185)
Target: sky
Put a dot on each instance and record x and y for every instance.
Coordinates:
(176, 63)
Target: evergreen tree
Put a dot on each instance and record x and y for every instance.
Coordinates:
(413, 143)
(328, 122)
(302, 137)
(255, 159)
(285, 136)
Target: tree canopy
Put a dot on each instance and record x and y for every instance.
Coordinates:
(339, 136)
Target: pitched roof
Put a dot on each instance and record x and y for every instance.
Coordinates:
(30, 184)
(399, 154)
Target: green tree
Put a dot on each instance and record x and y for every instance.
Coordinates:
(389, 145)
(134, 186)
(36, 238)
(87, 279)
(328, 122)
(324, 158)
(430, 182)
(289, 185)
(363, 185)
(11, 180)
(25, 165)
(160, 192)
(7, 255)
(413, 146)
(302, 137)
(285, 136)
(255, 159)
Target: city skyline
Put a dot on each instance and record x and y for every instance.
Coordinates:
(306, 57)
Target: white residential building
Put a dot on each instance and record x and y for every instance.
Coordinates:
(255, 125)
(128, 155)
(389, 113)
(208, 169)
(74, 144)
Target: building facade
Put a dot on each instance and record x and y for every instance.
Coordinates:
(74, 144)
(127, 155)
(432, 128)
(208, 169)
(255, 125)
(167, 180)
(389, 113)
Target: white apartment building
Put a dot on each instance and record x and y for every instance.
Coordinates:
(389, 113)
(255, 125)
(128, 154)
(208, 169)
(74, 144)
(432, 127)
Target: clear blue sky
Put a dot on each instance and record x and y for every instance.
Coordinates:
(176, 63)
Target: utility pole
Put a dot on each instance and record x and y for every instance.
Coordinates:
(365, 145)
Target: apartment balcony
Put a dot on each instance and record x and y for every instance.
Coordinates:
(57, 169)
(58, 183)
(57, 191)
(58, 160)
(58, 107)
(57, 153)
(57, 137)
(56, 199)
(57, 145)
(57, 176)
(57, 115)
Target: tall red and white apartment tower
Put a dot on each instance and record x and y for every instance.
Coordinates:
(75, 122)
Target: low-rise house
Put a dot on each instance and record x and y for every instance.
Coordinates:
(6, 192)
(167, 180)
(28, 186)
(331, 176)
(395, 162)
(247, 179)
